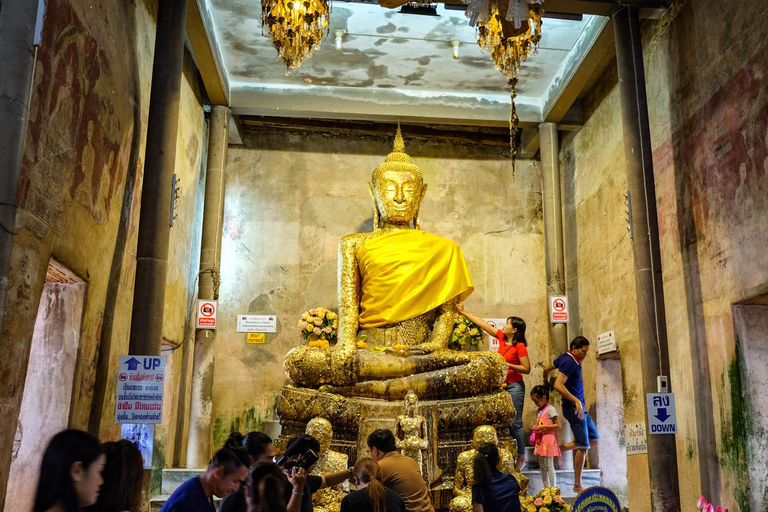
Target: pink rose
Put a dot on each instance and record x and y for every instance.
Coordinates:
(720, 509)
(317, 330)
(559, 500)
(709, 508)
(701, 504)
(317, 321)
(539, 502)
(313, 312)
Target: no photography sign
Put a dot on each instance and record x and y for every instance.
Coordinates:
(206, 314)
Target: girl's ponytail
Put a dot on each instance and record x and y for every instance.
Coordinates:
(368, 471)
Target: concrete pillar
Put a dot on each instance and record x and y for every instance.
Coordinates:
(17, 53)
(159, 164)
(199, 441)
(555, 256)
(662, 455)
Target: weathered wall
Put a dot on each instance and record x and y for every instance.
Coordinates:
(79, 200)
(706, 73)
(291, 197)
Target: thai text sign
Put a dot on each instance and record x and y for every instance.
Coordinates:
(206, 314)
(140, 382)
(497, 323)
(661, 413)
(256, 323)
(596, 499)
(558, 309)
(635, 439)
(606, 342)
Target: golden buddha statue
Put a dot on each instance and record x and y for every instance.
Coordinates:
(328, 499)
(399, 287)
(412, 431)
(464, 478)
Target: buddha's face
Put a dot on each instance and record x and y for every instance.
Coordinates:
(484, 434)
(320, 429)
(410, 402)
(398, 195)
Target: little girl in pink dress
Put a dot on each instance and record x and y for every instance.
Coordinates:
(545, 434)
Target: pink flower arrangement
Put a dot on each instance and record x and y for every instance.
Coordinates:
(703, 506)
(319, 324)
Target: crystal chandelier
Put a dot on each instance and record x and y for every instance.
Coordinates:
(509, 52)
(295, 27)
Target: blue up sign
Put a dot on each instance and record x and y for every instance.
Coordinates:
(661, 413)
(140, 382)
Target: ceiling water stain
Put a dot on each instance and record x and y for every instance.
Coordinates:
(389, 28)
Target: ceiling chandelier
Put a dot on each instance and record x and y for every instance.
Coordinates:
(509, 40)
(295, 27)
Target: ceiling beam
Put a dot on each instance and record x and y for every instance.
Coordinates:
(648, 8)
(203, 53)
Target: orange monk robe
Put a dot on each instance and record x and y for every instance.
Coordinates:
(407, 273)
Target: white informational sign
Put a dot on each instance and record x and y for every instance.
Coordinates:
(206, 314)
(142, 435)
(497, 323)
(140, 382)
(606, 343)
(634, 438)
(256, 323)
(558, 309)
(661, 413)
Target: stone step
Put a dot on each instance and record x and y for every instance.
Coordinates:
(589, 478)
(174, 477)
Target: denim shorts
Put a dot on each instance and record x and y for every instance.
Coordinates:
(584, 430)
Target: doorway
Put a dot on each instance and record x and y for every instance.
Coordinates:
(45, 404)
(750, 322)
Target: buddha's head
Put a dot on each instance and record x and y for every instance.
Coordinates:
(411, 402)
(320, 429)
(484, 434)
(397, 187)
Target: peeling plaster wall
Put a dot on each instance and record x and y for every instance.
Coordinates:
(291, 197)
(79, 201)
(706, 74)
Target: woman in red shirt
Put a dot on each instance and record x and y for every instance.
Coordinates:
(513, 346)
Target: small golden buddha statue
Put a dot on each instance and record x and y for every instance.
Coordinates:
(412, 431)
(399, 287)
(464, 478)
(328, 499)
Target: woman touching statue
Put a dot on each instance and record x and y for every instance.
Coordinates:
(514, 347)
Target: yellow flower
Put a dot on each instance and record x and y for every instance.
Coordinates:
(555, 491)
(309, 327)
(529, 500)
(543, 509)
(332, 316)
(335, 324)
(362, 344)
(547, 500)
(531, 508)
(398, 346)
(305, 316)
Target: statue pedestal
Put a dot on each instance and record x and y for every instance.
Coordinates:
(450, 423)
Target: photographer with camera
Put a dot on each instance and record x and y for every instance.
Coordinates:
(298, 461)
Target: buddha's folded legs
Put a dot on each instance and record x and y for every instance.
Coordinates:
(484, 373)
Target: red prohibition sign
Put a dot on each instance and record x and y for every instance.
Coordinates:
(207, 309)
(559, 305)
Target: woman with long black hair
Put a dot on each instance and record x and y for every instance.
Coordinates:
(514, 347)
(122, 474)
(260, 449)
(493, 491)
(264, 488)
(70, 474)
(371, 495)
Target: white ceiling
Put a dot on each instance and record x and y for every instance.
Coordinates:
(391, 65)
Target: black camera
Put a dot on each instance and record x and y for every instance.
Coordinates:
(305, 461)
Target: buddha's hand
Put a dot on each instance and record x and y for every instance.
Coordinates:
(405, 351)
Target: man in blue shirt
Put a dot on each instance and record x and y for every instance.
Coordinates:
(226, 472)
(571, 387)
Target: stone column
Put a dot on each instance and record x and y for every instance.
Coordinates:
(199, 442)
(17, 53)
(662, 455)
(159, 165)
(555, 256)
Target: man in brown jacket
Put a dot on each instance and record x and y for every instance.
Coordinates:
(399, 473)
